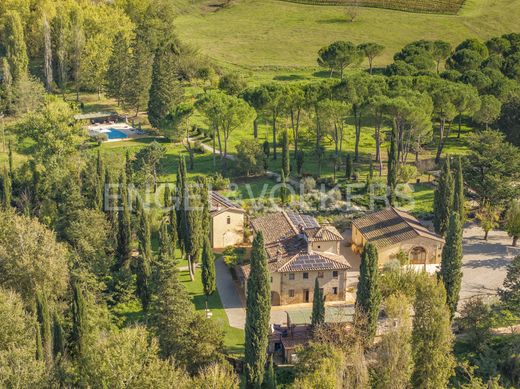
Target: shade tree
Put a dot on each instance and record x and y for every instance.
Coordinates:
(338, 55)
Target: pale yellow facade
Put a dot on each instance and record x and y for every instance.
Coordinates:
(420, 250)
(227, 228)
(298, 287)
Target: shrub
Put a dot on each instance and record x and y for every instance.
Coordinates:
(219, 182)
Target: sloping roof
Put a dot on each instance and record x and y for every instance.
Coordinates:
(220, 204)
(287, 247)
(391, 226)
(314, 261)
(274, 226)
(324, 233)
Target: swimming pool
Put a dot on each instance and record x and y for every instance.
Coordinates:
(112, 133)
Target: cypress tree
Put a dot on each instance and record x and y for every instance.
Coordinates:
(129, 169)
(143, 271)
(44, 321)
(206, 216)
(368, 296)
(15, 47)
(458, 195)
(258, 310)
(171, 311)
(168, 232)
(182, 224)
(443, 199)
(267, 150)
(270, 378)
(165, 91)
(284, 192)
(318, 305)
(451, 264)
(348, 166)
(300, 155)
(285, 154)
(118, 66)
(58, 337)
(166, 241)
(208, 269)
(10, 158)
(431, 336)
(124, 240)
(195, 230)
(79, 320)
(136, 89)
(99, 182)
(6, 189)
(391, 179)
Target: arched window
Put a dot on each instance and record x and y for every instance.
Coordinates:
(418, 255)
(229, 220)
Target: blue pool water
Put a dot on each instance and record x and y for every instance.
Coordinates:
(116, 134)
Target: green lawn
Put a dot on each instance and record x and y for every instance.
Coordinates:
(274, 39)
(234, 337)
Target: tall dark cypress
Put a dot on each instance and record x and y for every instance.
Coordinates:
(166, 241)
(182, 223)
(348, 166)
(58, 337)
(143, 269)
(443, 199)
(458, 195)
(195, 230)
(6, 189)
(258, 310)
(284, 191)
(99, 183)
(10, 158)
(129, 169)
(368, 296)
(208, 269)
(79, 320)
(318, 305)
(451, 263)
(391, 179)
(124, 239)
(270, 377)
(286, 160)
(44, 321)
(166, 90)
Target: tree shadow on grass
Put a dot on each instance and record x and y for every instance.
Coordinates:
(332, 21)
(289, 77)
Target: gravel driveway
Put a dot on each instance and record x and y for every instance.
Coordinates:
(485, 262)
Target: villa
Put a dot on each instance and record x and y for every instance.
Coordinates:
(300, 250)
(393, 231)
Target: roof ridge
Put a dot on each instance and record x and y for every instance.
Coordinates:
(404, 220)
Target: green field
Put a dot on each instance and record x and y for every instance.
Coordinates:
(275, 39)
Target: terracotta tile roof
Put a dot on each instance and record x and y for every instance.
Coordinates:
(219, 203)
(274, 226)
(287, 247)
(391, 226)
(323, 234)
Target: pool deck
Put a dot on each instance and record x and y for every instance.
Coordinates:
(129, 131)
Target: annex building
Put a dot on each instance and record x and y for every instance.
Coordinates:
(393, 231)
(227, 222)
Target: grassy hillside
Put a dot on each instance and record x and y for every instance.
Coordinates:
(282, 38)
